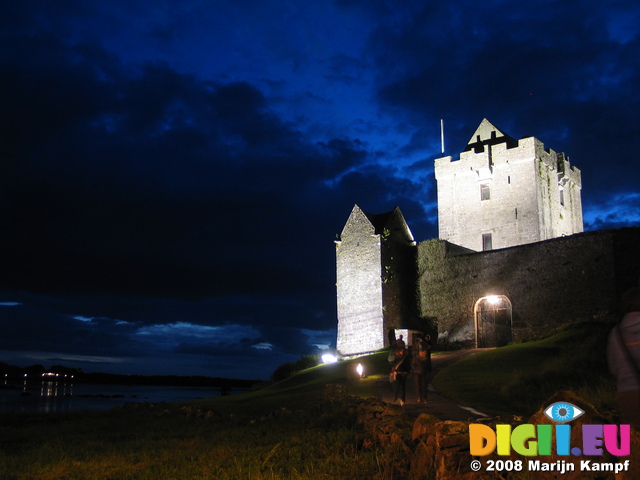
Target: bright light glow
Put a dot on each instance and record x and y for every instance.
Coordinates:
(360, 370)
(493, 299)
(329, 358)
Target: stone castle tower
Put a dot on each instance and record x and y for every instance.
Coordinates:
(376, 280)
(512, 261)
(502, 193)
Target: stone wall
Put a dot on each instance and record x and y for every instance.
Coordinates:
(549, 283)
(429, 448)
(376, 278)
(534, 194)
(359, 287)
(399, 276)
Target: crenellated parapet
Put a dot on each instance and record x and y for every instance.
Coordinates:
(511, 261)
(503, 192)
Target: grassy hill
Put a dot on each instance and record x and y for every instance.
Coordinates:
(519, 378)
(515, 379)
(286, 431)
(306, 387)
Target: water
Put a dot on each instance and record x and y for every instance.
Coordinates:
(56, 397)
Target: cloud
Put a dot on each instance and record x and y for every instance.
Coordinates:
(616, 212)
(31, 328)
(183, 169)
(148, 189)
(562, 77)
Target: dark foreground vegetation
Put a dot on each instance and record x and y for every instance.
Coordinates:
(297, 428)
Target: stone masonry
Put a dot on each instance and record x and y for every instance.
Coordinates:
(512, 261)
(550, 283)
(506, 191)
(376, 267)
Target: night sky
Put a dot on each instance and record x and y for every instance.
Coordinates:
(173, 173)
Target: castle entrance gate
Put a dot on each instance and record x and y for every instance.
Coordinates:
(493, 321)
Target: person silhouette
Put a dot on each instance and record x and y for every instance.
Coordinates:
(623, 357)
(421, 366)
(399, 372)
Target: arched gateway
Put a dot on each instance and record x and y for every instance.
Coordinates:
(493, 321)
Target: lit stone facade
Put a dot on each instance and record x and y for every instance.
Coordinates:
(547, 284)
(375, 259)
(542, 270)
(502, 193)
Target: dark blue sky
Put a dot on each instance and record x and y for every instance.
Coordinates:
(173, 173)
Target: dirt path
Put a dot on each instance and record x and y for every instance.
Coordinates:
(436, 405)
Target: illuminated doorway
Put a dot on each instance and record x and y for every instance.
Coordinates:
(493, 321)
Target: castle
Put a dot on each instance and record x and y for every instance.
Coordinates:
(502, 193)
(511, 262)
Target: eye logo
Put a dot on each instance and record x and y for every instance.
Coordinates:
(563, 412)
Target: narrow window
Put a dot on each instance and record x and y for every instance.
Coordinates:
(485, 192)
(509, 179)
(562, 197)
(486, 241)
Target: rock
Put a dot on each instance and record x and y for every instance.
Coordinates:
(424, 425)
(429, 448)
(452, 450)
(590, 417)
(423, 462)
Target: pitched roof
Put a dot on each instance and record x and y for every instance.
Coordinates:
(360, 222)
(380, 220)
(393, 220)
(488, 134)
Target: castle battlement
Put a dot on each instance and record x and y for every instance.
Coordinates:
(506, 266)
(503, 192)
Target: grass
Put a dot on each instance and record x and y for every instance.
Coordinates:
(165, 443)
(306, 387)
(519, 378)
(288, 430)
(284, 431)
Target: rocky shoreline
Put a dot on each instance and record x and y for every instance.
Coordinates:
(427, 447)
